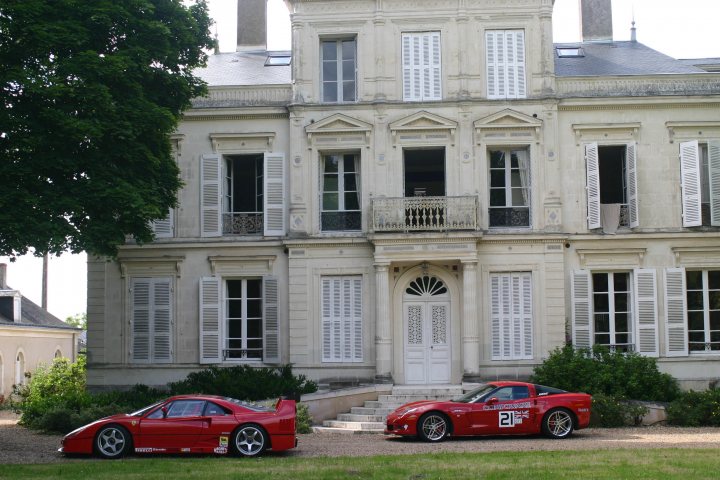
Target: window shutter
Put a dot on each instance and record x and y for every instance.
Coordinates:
(502, 317)
(645, 300)
(690, 178)
(520, 64)
(407, 66)
(327, 320)
(495, 317)
(412, 66)
(165, 227)
(271, 337)
(581, 309)
(357, 320)
(433, 67)
(593, 185)
(210, 317)
(274, 196)
(348, 320)
(676, 313)
(527, 317)
(210, 196)
(162, 320)
(493, 45)
(632, 188)
(714, 173)
(140, 294)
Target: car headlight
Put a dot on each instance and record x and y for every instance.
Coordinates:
(407, 411)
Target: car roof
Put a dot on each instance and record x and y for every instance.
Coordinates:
(510, 383)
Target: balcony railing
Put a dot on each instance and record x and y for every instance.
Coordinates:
(243, 223)
(404, 214)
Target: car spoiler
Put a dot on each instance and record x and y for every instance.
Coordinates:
(285, 406)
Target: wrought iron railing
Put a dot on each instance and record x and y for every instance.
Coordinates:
(402, 214)
(243, 223)
(624, 215)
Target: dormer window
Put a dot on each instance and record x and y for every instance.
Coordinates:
(278, 60)
(569, 52)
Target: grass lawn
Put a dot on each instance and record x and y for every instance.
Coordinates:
(610, 464)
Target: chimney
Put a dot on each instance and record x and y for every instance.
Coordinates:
(251, 25)
(596, 20)
(3, 276)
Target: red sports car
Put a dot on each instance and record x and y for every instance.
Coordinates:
(497, 408)
(189, 424)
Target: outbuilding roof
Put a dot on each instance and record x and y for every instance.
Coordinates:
(243, 68)
(32, 315)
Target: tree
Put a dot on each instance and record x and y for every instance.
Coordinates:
(90, 92)
(78, 320)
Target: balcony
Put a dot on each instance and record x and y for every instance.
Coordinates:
(242, 223)
(424, 214)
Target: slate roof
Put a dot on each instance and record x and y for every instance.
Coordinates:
(243, 68)
(34, 316)
(618, 58)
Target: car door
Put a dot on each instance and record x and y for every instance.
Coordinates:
(174, 427)
(219, 423)
(507, 411)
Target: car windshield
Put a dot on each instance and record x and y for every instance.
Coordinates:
(144, 410)
(477, 395)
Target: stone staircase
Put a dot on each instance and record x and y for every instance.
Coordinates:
(370, 418)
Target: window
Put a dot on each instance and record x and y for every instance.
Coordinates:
(342, 323)
(278, 59)
(422, 66)
(611, 178)
(58, 353)
(243, 309)
(700, 173)
(569, 52)
(511, 316)
(185, 408)
(703, 310)
(611, 310)
(243, 195)
(151, 324)
(20, 369)
(340, 192)
(338, 70)
(505, 57)
(509, 188)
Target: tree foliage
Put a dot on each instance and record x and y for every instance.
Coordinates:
(78, 320)
(90, 92)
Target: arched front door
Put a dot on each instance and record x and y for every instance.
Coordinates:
(426, 314)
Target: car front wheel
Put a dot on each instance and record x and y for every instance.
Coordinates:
(433, 427)
(112, 441)
(249, 440)
(557, 423)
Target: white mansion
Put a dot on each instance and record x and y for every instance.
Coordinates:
(427, 192)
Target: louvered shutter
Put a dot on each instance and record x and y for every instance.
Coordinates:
(632, 184)
(526, 310)
(495, 317)
(357, 319)
(493, 56)
(646, 317)
(328, 320)
(502, 317)
(690, 178)
(714, 173)
(271, 321)
(676, 334)
(165, 227)
(581, 309)
(140, 294)
(162, 320)
(407, 67)
(592, 167)
(210, 320)
(274, 194)
(432, 66)
(210, 195)
(412, 67)
(521, 90)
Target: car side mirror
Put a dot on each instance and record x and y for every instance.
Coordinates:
(164, 411)
(492, 401)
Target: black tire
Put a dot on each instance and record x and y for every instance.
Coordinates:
(433, 427)
(112, 441)
(558, 423)
(249, 440)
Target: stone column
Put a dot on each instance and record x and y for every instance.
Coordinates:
(470, 329)
(383, 328)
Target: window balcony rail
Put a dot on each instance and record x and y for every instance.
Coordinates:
(624, 215)
(243, 223)
(405, 214)
(242, 353)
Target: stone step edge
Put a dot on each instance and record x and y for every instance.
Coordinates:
(346, 431)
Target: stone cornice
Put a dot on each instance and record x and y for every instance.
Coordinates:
(638, 86)
(244, 96)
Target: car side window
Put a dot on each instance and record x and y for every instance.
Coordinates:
(214, 410)
(186, 408)
(506, 394)
(156, 414)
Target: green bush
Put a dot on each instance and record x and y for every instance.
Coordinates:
(695, 409)
(303, 419)
(609, 411)
(600, 371)
(245, 383)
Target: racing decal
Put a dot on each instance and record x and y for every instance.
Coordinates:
(507, 406)
(224, 442)
(222, 450)
(149, 450)
(511, 418)
(184, 450)
(133, 423)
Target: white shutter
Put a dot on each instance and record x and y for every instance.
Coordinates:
(690, 178)
(432, 65)
(271, 323)
(646, 317)
(493, 49)
(327, 288)
(592, 162)
(520, 64)
(274, 194)
(495, 317)
(505, 59)
(582, 330)
(357, 319)
(161, 320)
(422, 66)
(527, 316)
(502, 317)
(210, 318)
(140, 327)
(165, 227)
(632, 185)
(714, 173)
(407, 66)
(347, 320)
(210, 195)
(676, 334)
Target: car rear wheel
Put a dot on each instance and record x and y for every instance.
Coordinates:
(112, 441)
(558, 423)
(249, 440)
(433, 427)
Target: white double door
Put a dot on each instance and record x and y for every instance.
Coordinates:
(427, 342)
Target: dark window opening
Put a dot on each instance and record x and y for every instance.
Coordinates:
(425, 173)
(613, 167)
(243, 195)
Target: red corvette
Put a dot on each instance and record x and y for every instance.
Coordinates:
(497, 408)
(189, 424)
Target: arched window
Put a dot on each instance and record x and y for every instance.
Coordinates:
(20, 369)
(58, 353)
(426, 286)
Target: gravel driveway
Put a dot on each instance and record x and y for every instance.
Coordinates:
(20, 445)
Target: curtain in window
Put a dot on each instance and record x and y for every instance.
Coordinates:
(357, 180)
(523, 157)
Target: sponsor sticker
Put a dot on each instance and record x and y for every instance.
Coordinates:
(507, 406)
(224, 442)
(149, 450)
(222, 450)
(184, 450)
